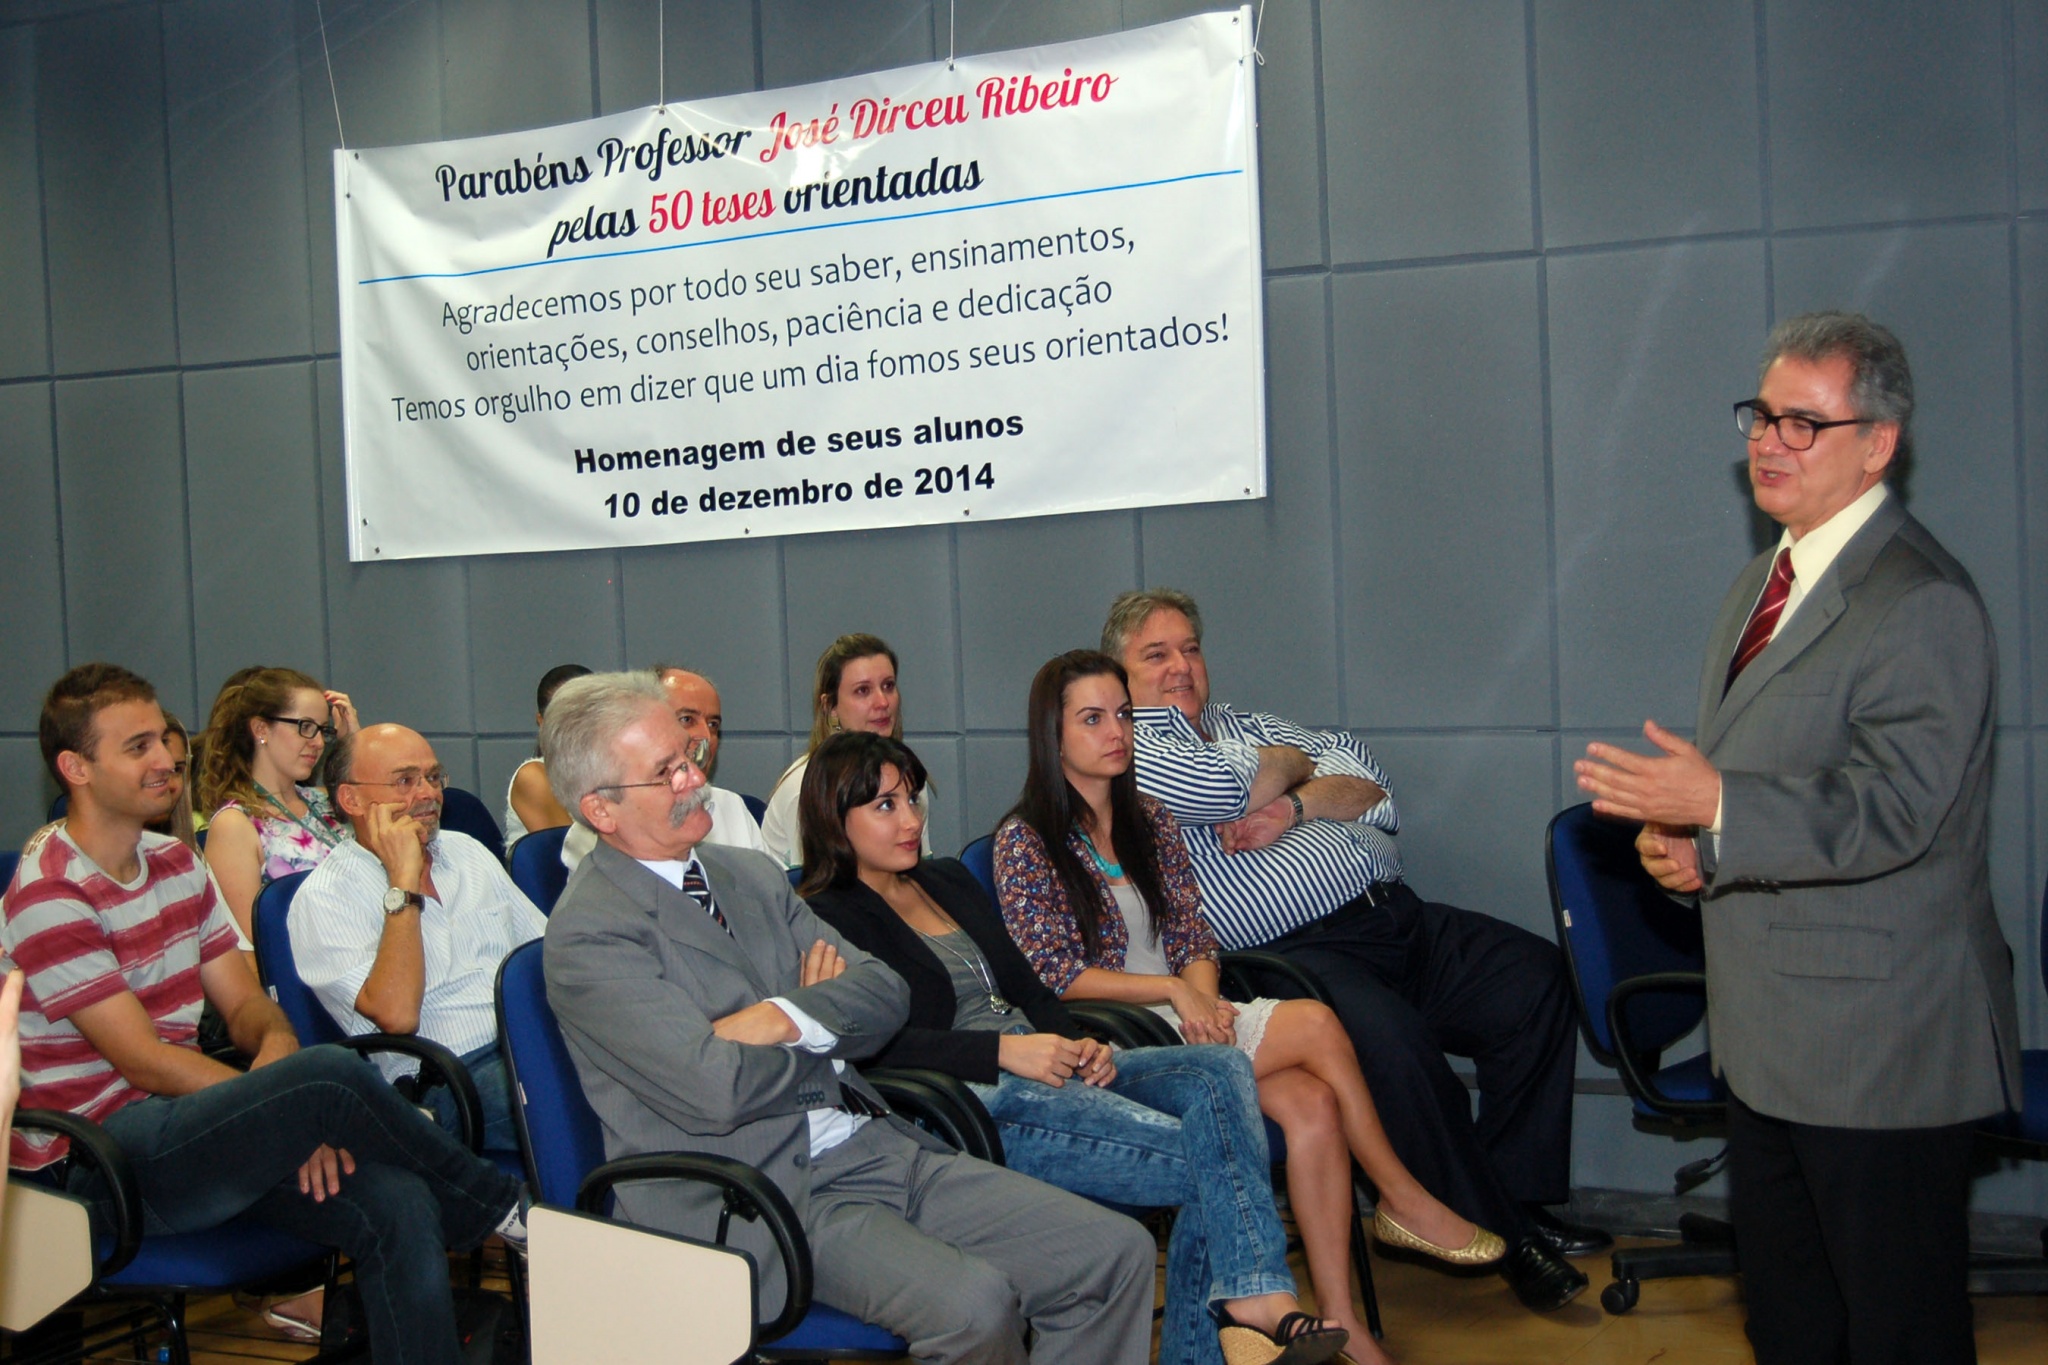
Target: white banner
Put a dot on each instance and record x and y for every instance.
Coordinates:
(1014, 285)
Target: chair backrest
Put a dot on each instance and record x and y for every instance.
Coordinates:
(537, 866)
(8, 863)
(2044, 936)
(979, 857)
(756, 807)
(271, 922)
(462, 812)
(1614, 922)
(559, 1134)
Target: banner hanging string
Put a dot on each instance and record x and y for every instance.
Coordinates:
(952, 25)
(661, 53)
(328, 57)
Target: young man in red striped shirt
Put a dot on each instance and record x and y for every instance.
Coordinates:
(121, 933)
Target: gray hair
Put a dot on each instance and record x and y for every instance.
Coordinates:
(1881, 382)
(584, 718)
(340, 759)
(1133, 609)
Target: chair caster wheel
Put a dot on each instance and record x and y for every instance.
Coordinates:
(1619, 1297)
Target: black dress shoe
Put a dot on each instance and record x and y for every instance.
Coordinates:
(1566, 1239)
(1541, 1279)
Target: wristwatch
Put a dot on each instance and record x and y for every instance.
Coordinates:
(1294, 800)
(396, 899)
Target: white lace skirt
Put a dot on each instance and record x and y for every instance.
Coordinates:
(1251, 1023)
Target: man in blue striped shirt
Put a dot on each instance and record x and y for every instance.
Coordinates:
(1291, 834)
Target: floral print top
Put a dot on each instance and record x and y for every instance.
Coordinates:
(288, 845)
(1034, 904)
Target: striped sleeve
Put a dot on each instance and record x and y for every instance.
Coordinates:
(1337, 753)
(337, 923)
(1200, 782)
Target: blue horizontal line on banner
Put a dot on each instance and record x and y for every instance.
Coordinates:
(784, 232)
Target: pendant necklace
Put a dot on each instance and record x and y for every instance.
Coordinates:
(974, 963)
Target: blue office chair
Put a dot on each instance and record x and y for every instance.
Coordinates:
(8, 862)
(1637, 966)
(756, 807)
(163, 1272)
(2023, 1131)
(462, 812)
(537, 866)
(979, 857)
(564, 1151)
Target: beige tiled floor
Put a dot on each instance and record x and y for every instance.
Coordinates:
(1436, 1319)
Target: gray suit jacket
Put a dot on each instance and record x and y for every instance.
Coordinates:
(636, 974)
(1856, 974)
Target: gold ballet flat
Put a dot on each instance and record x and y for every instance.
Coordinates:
(1484, 1249)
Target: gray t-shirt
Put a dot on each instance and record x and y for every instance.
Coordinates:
(1146, 955)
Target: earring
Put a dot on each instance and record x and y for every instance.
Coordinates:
(835, 722)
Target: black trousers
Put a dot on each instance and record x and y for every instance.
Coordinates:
(1412, 980)
(1855, 1242)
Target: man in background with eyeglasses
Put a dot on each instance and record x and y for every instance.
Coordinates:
(401, 929)
(1832, 823)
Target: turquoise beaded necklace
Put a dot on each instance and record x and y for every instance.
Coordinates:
(1113, 871)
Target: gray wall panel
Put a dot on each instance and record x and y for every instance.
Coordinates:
(2034, 1002)
(1869, 121)
(512, 641)
(1426, 116)
(1947, 293)
(238, 185)
(1448, 785)
(512, 64)
(895, 584)
(814, 40)
(106, 201)
(714, 607)
(32, 607)
(999, 25)
(1009, 625)
(1440, 440)
(1647, 350)
(2030, 68)
(25, 790)
(24, 304)
(1277, 543)
(751, 763)
(253, 458)
(995, 775)
(398, 633)
(1647, 119)
(387, 80)
(457, 753)
(2033, 295)
(706, 48)
(127, 597)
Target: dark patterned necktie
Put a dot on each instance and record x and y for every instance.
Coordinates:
(1764, 619)
(699, 891)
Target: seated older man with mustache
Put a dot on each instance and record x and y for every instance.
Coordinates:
(402, 929)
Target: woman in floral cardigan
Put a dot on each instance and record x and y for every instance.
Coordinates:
(1095, 886)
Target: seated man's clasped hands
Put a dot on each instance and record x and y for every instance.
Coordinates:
(707, 1009)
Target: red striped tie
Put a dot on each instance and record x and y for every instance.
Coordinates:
(1764, 619)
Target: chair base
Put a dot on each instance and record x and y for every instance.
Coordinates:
(1707, 1247)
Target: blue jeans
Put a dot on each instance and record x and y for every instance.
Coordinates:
(486, 1067)
(235, 1149)
(1180, 1126)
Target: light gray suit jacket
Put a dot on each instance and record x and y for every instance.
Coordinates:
(1856, 974)
(636, 974)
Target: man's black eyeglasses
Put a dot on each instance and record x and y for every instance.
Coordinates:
(1753, 419)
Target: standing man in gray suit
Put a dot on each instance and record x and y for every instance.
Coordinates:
(1833, 824)
(707, 1009)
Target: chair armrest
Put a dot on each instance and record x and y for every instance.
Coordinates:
(469, 1108)
(745, 1191)
(943, 1104)
(92, 1145)
(1113, 1021)
(1636, 1064)
(1245, 968)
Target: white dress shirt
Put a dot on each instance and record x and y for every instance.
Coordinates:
(1813, 554)
(829, 1126)
(475, 918)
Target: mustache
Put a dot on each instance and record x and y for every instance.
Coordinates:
(688, 806)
